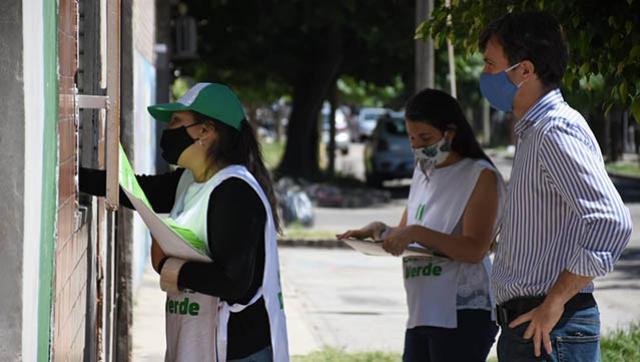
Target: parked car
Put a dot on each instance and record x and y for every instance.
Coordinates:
(342, 136)
(388, 155)
(367, 119)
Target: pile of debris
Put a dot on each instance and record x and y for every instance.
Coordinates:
(297, 198)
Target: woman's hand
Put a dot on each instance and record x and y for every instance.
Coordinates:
(373, 230)
(397, 240)
(157, 255)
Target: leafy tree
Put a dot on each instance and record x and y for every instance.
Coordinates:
(302, 47)
(603, 41)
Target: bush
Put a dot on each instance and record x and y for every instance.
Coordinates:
(622, 345)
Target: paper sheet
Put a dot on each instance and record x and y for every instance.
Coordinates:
(374, 248)
(174, 240)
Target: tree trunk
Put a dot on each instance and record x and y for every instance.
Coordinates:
(301, 157)
(331, 150)
(599, 125)
(615, 134)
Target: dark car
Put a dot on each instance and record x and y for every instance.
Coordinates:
(388, 155)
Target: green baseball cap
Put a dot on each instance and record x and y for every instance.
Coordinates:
(211, 99)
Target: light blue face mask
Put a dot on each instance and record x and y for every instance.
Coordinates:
(498, 89)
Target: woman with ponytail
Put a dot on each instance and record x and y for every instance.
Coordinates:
(229, 309)
(454, 207)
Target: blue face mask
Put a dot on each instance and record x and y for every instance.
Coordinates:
(498, 89)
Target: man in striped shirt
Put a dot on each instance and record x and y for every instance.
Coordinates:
(564, 222)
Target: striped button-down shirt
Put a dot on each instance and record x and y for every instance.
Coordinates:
(562, 211)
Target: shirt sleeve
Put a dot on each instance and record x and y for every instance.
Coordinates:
(575, 167)
(160, 189)
(235, 230)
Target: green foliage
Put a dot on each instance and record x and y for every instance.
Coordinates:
(180, 86)
(624, 168)
(266, 47)
(336, 355)
(603, 41)
(368, 94)
(621, 346)
(272, 153)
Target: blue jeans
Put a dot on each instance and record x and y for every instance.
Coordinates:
(471, 341)
(576, 337)
(264, 355)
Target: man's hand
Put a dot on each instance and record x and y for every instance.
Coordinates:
(542, 320)
(397, 240)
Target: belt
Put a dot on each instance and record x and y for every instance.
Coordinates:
(513, 308)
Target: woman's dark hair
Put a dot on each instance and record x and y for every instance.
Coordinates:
(535, 36)
(235, 147)
(442, 111)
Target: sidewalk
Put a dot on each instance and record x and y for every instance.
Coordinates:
(148, 321)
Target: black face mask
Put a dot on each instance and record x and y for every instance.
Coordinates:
(173, 142)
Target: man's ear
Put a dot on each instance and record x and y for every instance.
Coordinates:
(527, 70)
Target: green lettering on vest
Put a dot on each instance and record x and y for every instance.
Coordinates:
(281, 299)
(437, 270)
(184, 306)
(194, 308)
(426, 270)
(422, 271)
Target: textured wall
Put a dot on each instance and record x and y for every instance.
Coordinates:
(69, 310)
(11, 179)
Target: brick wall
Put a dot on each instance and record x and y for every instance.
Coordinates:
(69, 303)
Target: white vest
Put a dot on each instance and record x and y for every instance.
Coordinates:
(203, 337)
(431, 284)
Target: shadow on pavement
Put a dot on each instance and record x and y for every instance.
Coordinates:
(628, 187)
(398, 192)
(626, 270)
(629, 263)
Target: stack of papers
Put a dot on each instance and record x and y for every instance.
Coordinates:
(374, 247)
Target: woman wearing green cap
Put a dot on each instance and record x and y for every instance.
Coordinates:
(229, 309)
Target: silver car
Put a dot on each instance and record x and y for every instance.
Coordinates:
(367, 120)
(388, 155)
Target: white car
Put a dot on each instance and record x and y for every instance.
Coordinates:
(367, 120)
(342, 137)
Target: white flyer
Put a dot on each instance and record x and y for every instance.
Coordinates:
(374, 248)
(174, 240)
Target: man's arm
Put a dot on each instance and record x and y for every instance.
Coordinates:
(577, 172)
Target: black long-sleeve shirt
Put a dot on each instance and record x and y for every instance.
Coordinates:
(236, 221)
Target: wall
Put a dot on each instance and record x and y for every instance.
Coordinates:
(69, 311)
(12, 144)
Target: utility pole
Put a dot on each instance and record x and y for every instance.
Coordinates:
(424, 60)
(452, 60)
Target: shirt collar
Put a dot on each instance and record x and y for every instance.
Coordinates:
(543, 105)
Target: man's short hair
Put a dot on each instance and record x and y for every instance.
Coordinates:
(534, 36)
